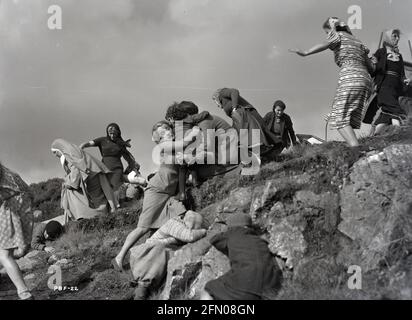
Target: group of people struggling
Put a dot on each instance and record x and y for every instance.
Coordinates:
(90, 185)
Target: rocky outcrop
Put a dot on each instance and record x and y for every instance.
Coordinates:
(317, 234)
(376, 211)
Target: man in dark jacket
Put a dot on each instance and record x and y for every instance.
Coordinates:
(278, 122)
(253, 274)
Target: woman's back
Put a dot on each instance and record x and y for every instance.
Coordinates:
(348, 49)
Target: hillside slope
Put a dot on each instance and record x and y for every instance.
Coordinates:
(324, 210)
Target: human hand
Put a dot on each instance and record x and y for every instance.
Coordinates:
(49, 249)
(407, 81)
(298, 52)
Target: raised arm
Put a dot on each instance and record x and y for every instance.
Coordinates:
(87, 144)
(315, 49)
(232, 94)
(181, 232)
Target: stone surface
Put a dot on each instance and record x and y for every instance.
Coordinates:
(376, 207)
(214, 265)
(185, 265)
(37, 214)
(238, 201)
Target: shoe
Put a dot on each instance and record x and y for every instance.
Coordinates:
(116, 265)
(141, 292)
(25, 295)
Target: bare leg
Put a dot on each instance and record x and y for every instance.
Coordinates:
(372, 131)
(182, 183)
(13, 271)
(131, 239)
(380, 127)
(349, 135)
(204, 295)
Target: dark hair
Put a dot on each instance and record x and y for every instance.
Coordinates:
(119, 140)
(279, 103)
(326, 24)
(179, 111)
(54, 229)
(189, 107)
(175, 113)
(339, 28)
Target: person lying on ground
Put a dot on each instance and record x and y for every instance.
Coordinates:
(46, 232)
(253, 274)
(148, 261)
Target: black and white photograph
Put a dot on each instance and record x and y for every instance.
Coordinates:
(227, 151)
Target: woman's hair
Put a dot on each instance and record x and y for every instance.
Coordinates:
(326, 24)
(279, 103)
(163, 123)
(194, 219)
(339, 25)
(175, 113)
(54, 229)
(119, 140)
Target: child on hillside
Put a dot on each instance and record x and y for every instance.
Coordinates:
(46, 232)
(148, 261)
(254, 274)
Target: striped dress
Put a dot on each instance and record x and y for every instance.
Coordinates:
(355, 83)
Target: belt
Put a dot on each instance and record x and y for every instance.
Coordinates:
(393, 73)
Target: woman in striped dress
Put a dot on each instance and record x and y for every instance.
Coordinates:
(355, 83)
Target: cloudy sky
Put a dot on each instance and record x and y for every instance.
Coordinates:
(125, 61)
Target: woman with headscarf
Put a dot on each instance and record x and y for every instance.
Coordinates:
(86, 190)
(113, 148)
(355, 83)
(16, 226)
(245, 117)
(389, 79)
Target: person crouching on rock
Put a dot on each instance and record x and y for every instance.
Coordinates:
(254, 274)
(148, 261)
(49, 231)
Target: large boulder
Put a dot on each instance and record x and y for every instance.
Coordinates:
(293, 215)
(376, 209)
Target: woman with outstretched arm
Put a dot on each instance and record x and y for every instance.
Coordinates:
(355, 83)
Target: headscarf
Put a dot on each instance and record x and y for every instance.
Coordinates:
(86, 163)
(387, 39)
(216, 98)
(119, 140)
(11, 184)
(335, 24)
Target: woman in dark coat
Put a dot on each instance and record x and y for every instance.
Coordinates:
(279, 123)
(389, 81)
(245, 116)
(254, 274)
